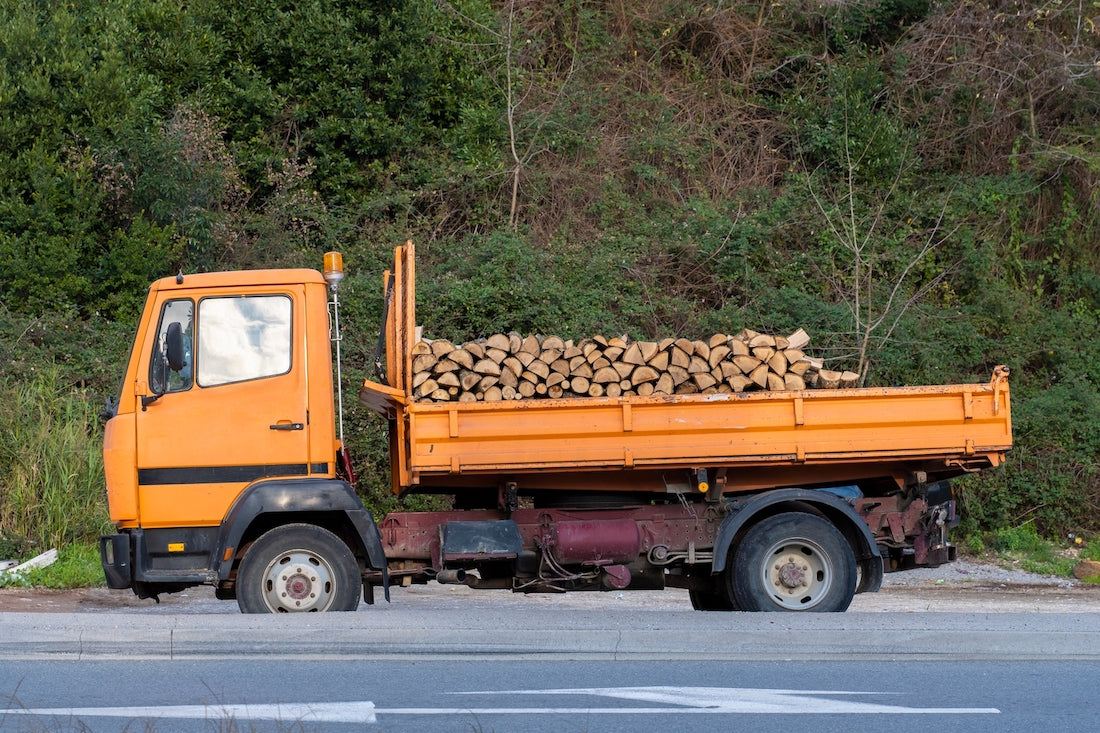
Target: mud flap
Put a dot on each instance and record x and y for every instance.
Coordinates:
(114, 555)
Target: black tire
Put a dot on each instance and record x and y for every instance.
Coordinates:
(793, 562)
(296, 568)
(715, 598)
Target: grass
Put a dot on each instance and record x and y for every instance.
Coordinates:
(1022, 548)
(77, 566)
(51, 482)
(51, 467)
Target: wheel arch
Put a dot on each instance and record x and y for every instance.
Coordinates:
(748, 511)
(328, 503)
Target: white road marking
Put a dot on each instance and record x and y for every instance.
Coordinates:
(747, 700)
(672, 701)
(315, 712)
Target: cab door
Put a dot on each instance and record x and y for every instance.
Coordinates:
(223, 403)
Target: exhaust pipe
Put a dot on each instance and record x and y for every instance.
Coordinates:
(451, 576)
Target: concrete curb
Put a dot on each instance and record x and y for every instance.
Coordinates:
(574, 635)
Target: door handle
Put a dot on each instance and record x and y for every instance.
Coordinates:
(288, 426)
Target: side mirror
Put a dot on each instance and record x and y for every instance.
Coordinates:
(173, 343)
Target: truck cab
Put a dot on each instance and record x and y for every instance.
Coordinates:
(224, 431)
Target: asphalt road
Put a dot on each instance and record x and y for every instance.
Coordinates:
(553, 696)
(960, 650)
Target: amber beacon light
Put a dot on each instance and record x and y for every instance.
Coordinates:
(334, 268)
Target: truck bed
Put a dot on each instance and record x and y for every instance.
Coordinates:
(802, 437)
(943, 430)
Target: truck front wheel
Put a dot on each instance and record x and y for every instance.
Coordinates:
(793, 562)
(295, 568)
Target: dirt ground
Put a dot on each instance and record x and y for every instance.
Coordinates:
(965, 586)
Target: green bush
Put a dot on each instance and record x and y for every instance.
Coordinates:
(681, 173)
(1023, 545)
(1021, 539)
(83, 354)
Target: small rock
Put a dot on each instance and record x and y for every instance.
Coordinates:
(1086, 569)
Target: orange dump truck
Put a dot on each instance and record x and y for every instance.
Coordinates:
(225, 466)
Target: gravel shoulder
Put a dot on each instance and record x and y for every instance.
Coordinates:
(964, 586)
(973, 586)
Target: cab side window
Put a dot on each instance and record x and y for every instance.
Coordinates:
(170, 365)
(242, 338)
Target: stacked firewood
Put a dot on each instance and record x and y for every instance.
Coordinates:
(510, 366)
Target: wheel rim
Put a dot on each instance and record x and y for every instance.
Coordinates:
(797, 574)
(298, 580)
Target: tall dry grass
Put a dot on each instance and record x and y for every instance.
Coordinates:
(51, 465)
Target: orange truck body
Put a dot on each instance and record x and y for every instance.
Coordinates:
(223, 466)
(763, 439)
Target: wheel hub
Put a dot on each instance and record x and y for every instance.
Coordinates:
(298, 585)
(791, 573)
(797, 573)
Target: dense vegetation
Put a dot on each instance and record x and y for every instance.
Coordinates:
(913, 182)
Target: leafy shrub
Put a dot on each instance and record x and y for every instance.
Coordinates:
(848, 127)
(1021, 539)
(665, 157)
(87, 355)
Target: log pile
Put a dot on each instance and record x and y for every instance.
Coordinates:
(511, 366)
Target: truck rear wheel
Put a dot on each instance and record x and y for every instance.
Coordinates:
(716, 598)
(297, 568)
(793, 562)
